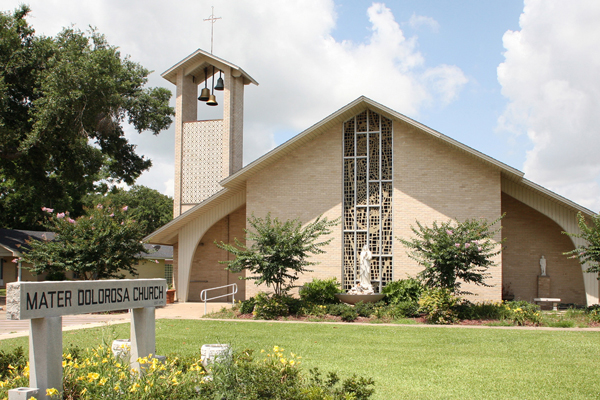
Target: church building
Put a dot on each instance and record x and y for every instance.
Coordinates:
(376, 170)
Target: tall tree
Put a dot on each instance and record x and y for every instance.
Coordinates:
(150, 208)
(63, 103)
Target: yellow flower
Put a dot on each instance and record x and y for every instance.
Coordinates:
(117, 387)
(84, 391)
(51, 392)
(103, 381)
(134, 387)
(92, 376)
(174, 380)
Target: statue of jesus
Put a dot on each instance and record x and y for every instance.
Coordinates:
(365, 269)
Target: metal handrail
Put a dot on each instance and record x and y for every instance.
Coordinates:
(232, 294)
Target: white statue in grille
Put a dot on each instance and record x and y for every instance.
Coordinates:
(365, 270)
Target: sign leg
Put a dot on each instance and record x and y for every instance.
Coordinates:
(143, 334)
(45, 354)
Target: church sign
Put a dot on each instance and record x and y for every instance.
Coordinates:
(28, 300)
(44, 304)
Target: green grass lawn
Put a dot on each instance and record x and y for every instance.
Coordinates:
(406, 362)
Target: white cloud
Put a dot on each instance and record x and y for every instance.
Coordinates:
(550, 77)
(304, 73)
(417, 21)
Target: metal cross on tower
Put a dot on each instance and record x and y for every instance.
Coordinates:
(212, 20)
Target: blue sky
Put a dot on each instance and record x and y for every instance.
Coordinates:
(469, 35)
(516, 80)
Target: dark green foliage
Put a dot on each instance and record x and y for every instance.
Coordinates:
(439, 306)
(247, 306)
(403, 290)
(16, 359)
(244, 377)
(364, 309)
(102, 244)
(594, 312)
(405, 309)
(454, 252)
(279, 252)
(320, 291)
(590, 252)
(349, 314)
(270, 307)
(150, 208)
(337, 309)
(468, 310)
(63, 104)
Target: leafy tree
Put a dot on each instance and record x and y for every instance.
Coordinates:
(590, 252)
(101, 244)
(63, 103)
(150, 208)
(453, 252)
(279, 250)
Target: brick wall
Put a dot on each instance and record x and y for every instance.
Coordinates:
(436, 182)
(304, 185)
(206, 271)
(529, 234)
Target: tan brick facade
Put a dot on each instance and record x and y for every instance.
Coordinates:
(304, 185)
(529, 235)
(432, 181)
(207, 272)
(435, 182)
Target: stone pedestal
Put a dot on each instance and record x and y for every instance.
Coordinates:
(23, 393)
(543, 286)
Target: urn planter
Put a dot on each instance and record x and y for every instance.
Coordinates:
(170, 296)
(355, 298)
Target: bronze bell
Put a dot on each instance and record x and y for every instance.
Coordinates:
(212, 101)
(204, 94)
(220, 85)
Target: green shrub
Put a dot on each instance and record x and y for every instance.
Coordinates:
(247, 306)
(439, 306)
(364, 309)
(270, 307)
(403, 290)
(16, 359)
(521, 312)
(320, 291)
(483, 310)
(594, 312)
(349, 314)
(405, 309)
(337, 309)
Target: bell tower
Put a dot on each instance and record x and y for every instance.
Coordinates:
(206, 151)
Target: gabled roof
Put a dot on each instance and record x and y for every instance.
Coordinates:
(342, 115)
(15, 240)
(236, 182)
(195, 63)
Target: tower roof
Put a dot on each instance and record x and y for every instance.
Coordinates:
(195, 63)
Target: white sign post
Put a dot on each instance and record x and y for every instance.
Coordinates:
(44, 304)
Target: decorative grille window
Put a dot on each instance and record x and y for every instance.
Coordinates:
(169, 273)
(368, 197)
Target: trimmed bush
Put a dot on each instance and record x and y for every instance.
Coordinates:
(405, 309)
(403, 290)
(349, 315)
(364, 309)
(439, 306)
(270, 307)
(247, 306)
(320, 291)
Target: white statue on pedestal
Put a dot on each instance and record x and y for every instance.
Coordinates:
(365, 269)
(543, 265)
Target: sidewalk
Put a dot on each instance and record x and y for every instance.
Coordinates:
(11, 329)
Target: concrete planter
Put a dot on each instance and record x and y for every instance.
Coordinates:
(355, 298)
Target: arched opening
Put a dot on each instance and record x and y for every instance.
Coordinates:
(206, 271)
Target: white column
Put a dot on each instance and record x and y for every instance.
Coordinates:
(143, 334)
(45, 354)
